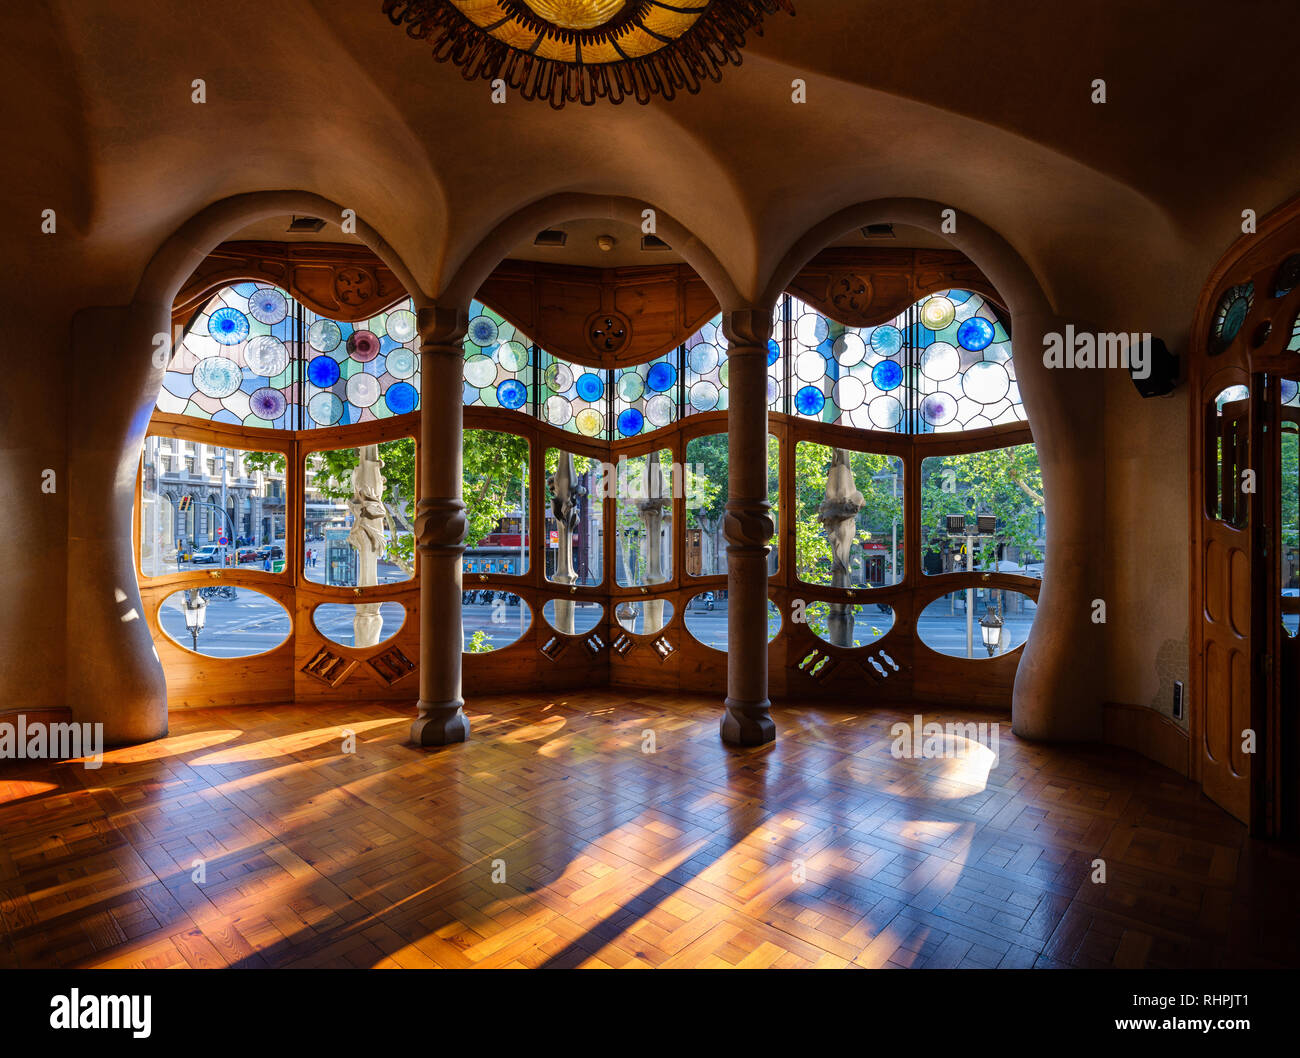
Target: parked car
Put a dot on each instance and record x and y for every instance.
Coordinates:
(208, 554)
(274, 551)
(249, 554)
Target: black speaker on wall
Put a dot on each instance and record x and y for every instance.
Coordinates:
(1163, 374)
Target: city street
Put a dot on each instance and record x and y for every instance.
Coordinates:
(253, 623)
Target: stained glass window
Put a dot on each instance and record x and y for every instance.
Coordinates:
(1229, 315)
(706, 368)
(498, 362)
(254, 356)
(573, 397)
(965, 377)
(645, 396)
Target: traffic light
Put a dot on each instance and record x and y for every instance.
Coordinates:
(186, 502)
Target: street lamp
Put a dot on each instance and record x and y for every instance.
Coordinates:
(991, 631)
(196, 611)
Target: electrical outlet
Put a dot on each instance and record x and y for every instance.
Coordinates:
(1178, 699)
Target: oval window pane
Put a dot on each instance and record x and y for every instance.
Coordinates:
(644, 617)
(224, 621)
(999, 622)
(491, 620)
(360, 624)
(706, 619)
(849, 625)
(574, 617)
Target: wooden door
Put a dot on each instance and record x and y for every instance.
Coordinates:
(1226, 677)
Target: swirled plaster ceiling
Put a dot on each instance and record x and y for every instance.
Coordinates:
(983, 107)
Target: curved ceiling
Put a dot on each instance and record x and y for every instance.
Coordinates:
(1120, 209)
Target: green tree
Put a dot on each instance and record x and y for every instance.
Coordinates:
(1004, 482)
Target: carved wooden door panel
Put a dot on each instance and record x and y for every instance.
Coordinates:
(1226, 618)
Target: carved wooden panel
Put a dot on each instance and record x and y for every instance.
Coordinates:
(333, 279)
(866, 287)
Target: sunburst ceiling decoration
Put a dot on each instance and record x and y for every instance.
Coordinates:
(580, 51)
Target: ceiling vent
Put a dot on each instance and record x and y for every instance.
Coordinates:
(551, 237)
(653, 242)
(878, 231)
(306, 224)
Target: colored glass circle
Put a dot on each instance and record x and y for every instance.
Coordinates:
(661, 376)
(217, 376)
(704, 396)
(810, 366)
(773, 351)
(267, 403)
(630, 385)
(480, 371)
(325, 409)
(513, 356)
(887, 375)
(886, 412)
(937, 313)
(940, 361)
(849, 392)
(887, 340)
(703, 358)
(324, 335)
(401, 398)
(589, 422)
(228, 326)
(630, 422)
(812, 329)
(512, 393)
(268, 306)
(323, 371)
(559, 377)
(986, 382)
(849, 349)
(482, 331)
(266, 355)
(975, 334)
(400, 325)
(660, 409)
(557, 411)
(591, 387)
(400, 362)
(938, 409)
(363, 346)
(809, 401)
(1289, 390)
(363, 389)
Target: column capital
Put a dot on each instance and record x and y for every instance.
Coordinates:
(442, 328)
(747, 327)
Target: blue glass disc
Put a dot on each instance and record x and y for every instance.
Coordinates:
(773, 351)
(323, 371)
(512, 394)
(228, 326)
(975, 334)
(886, 375)
(401, 398)
(630, 422)
(809, 400)
(661, 376)
(591, 387)
(887, 340)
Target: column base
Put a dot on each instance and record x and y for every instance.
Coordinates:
(748, 723)
(440, 724)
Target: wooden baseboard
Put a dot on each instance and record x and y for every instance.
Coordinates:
(1147, 732)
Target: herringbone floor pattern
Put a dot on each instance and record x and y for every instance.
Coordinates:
(552, 839)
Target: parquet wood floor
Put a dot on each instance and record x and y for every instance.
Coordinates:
(551, 839)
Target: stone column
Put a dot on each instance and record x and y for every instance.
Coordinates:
(440, 527)
(367, 536)
(747, 719)
(565, 494)
(838, 514)
(651, 510)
